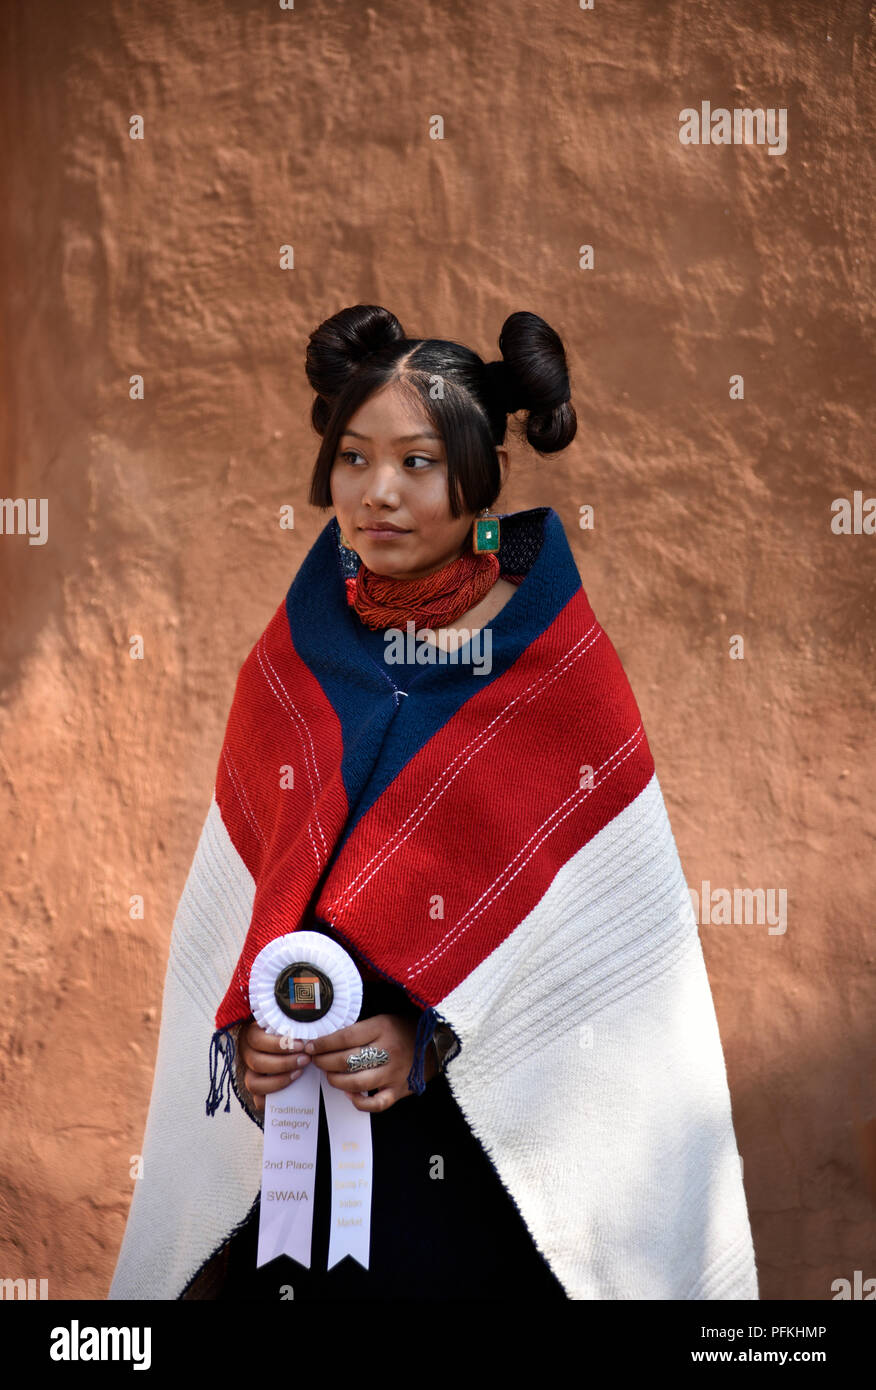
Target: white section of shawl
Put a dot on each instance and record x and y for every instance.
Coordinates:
(592, 1073)
(201, 1174)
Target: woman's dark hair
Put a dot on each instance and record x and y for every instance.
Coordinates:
(363, 348)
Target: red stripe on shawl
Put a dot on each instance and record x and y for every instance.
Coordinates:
(277, 709)
(506, 811)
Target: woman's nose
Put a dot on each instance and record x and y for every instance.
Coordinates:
(382, 486)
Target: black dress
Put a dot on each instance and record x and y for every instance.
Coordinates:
(442, 1223)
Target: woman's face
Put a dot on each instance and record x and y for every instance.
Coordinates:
(391, 469)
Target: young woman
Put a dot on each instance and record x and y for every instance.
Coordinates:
(434, 759)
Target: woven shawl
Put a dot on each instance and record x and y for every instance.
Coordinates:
(497, 845)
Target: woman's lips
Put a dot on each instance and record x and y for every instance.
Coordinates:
(382, 533)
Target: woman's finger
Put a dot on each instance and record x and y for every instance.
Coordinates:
(258, 1084)
(384, 1098)
(257, 1038)
(365, 1080)
(337, 1062)
(347, 1039)
(272, 1063)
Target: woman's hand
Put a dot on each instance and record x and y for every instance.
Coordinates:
(390, 1031)
(272, 1062)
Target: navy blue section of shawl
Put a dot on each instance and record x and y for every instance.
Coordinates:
(377, 721)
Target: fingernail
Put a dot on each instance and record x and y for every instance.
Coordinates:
(309, 1047)
(302, 1061)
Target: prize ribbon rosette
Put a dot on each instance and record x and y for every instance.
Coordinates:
(304, 985)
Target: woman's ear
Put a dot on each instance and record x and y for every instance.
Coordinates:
(502, 455)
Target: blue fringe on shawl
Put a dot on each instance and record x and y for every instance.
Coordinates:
(222, 1043)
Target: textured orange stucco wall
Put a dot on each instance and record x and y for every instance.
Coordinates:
(310, 127)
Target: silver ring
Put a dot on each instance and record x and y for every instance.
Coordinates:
(367, 1057)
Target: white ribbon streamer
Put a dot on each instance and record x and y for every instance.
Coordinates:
(292, 1115)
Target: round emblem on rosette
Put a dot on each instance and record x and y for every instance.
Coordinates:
(304, 985)
(303, 992)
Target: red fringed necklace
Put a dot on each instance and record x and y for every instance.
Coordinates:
(432, 602)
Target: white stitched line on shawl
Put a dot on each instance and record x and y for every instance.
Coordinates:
(209, 885)
(641, 970)
(292, 711)
(650, 968)
(458, 928)
(240, 793)
(724, 1267)
(602, 929)
(637, 966)
(210, 894)
(455, 932)
(482, 737)
(674, 936)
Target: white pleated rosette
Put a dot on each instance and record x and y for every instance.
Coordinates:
(292, 1115)
(327, 956)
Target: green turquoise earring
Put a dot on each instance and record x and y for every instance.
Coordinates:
(485, 532)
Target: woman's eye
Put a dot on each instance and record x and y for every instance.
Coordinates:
(425, 458)
(348, 452)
